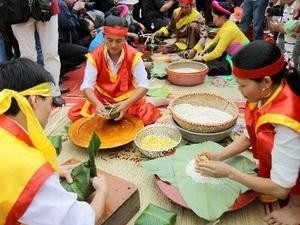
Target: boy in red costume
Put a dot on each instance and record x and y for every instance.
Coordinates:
(273, 129)
(115, 74)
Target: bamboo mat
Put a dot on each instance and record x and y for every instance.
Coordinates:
(124, 161)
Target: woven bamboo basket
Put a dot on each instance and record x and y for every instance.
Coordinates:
(207, 100)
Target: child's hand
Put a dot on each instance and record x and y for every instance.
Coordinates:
(65, 171)
(209, 155)
(213, 168)
(121, 107)
(276, 26)
(189, 54)
(101, 111)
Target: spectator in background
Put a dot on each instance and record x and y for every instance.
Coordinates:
(71, 53)
(188, 26)
(133, 25)
(228, 41)
(276, 25)
(254, 11)
(48, 33)
(155, 13)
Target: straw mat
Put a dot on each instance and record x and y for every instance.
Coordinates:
(124, 161)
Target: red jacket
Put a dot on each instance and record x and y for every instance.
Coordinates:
(54, 7)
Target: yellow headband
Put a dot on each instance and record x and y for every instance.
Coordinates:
(35, 131)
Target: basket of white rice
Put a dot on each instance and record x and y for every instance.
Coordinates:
(157, 140)
(204, 112)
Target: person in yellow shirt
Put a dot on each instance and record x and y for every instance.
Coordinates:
(228, 41)
(29, 177)
(188, 26)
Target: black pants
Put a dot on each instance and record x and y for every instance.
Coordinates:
(71, 55)
(219, 66)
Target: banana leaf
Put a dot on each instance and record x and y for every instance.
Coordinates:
(56, 141)
(162, 167)
(159, 91)
(83, 173)
(207, 200)
(290, 27)
(159, 69)
(154, 215)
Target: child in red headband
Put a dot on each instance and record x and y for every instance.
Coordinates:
(272, 119)
(228, 41)
(115, 74)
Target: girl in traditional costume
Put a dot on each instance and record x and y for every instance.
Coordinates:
(228, 41)
(272, 118)
(29, 177)
(115, 74)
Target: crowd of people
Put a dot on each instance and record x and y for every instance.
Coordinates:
(36, 55)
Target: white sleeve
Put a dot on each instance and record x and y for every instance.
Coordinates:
(54, 205)
(246, 133)
(285, 157)
(90, 76)
(140, 75)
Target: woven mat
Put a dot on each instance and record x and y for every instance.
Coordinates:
(124, 161)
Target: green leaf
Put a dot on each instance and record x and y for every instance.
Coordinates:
(161, 167)
(81, 184)
(154, 215)
(83, 173)
(158, 69)
(159, 91)
(207, 200)
(93, 150)
(56, 142)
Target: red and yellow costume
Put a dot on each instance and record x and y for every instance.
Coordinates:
(27, 159)
(280, 108)
(114, 88)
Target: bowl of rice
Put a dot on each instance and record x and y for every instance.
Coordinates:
(204, 112)
(157, 140)
(186, 73)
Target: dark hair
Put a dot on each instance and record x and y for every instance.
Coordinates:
(226, 5)
(19, 75)
(113, 21)
(258, 54)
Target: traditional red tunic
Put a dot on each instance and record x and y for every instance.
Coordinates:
(24, 170)
(283, 109)
(112, 89)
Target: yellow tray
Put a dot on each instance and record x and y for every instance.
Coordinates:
(111, 133)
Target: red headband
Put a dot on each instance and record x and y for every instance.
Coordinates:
(186, 2)
(118, 31)
(216, 5)
(259, 73)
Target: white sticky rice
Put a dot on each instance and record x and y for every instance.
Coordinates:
(198, 178)
(201, 114)
(185, 70)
